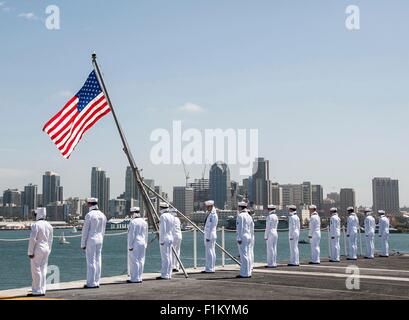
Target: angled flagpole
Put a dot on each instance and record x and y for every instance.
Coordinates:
(152, 213)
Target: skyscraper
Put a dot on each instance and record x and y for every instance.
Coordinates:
(11, 197)
(306, 193)
(51, 188)
(183, 199)
(385, 193)
(30, 197)
(276, 195)
(261, 183)
(292, 194)
(201, 192)
(347, 199)
(219, 177)
(317, 196)
(100, 188)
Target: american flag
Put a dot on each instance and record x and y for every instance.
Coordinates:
(79, 114)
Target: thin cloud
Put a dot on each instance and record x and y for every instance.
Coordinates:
(189, 107)
(28, 16)
(65, 94)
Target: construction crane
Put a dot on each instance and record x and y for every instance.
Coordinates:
(186, 174)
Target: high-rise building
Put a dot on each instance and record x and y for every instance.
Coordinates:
(317, 196)
(248, 188)
(30, 197)
(100, 188)
(306, 193)
(11, 198)
(347, 199)
(51, 188)
(385, 193)
(201, 192)
(292, 194)
(276, 195)
(219, 179)
(117, 208)
(334, 196)
(183, 199)
(131, 188)
(261, 183)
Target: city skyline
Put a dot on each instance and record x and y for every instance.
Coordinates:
(330, 104)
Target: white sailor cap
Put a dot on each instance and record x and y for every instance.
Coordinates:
(381, 211)
(312, 207)
(271, 207)
(164, 205)
(135, 209)
(350, 209)
(367, 210)
(333, 210)
(242, 204)
(209, 203)
(40, 213)
(92, 200)
(292, 207)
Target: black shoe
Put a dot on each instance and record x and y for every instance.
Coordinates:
(207, 271)
(334, 261)
(35, 295)
(175, 270)
(292, 265)
(272, 267)
(160, 278)
(242, 277)
(352, 259)
(129, 281)
(86, 287)
(313, 262)
(368, 258)
(382, 256)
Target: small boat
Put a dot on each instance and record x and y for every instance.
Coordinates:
(303, 241)
(63, 240)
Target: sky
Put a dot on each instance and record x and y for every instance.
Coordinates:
(330, 104)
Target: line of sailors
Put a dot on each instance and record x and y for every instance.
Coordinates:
(170, 237)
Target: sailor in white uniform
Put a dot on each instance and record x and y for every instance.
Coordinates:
(210, 236)
(177, 241)
(369, 224)
(245, 234)
(93, 233)
(314, 234)
(39, 249)
(252, 242)
(334, 233)
(137, 243)
(293, 236)
(271, 237)
(384, 233)
(166, 231)
(352, 232)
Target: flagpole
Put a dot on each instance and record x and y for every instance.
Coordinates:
(152, 213)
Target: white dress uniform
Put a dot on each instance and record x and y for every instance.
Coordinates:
(210, 238)
(245, 234)
(252, 244)
(137, 244)
(177, 242)
(352, 231)
(293, 236)
(370, 225)
(315, 236)
(384, 234)
(335, 233)
(166, 229)
(271, 236)
(93, 233)
(40, 243)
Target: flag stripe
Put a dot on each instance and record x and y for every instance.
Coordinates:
(78, 122)
(99, 116)
(67, 108)
(92, 112)
(60, 112)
